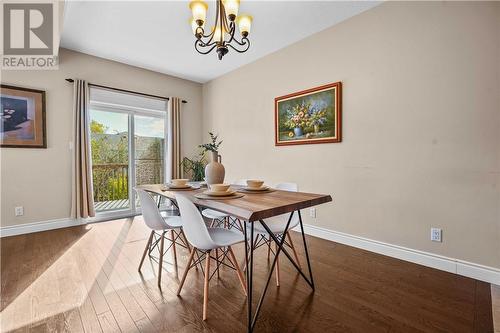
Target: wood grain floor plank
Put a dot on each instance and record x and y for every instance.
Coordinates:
(73, 322)
(108, 322)
(89, 318)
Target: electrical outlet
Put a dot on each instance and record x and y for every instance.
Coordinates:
(312, 212)
(436, 234)
(19, 211)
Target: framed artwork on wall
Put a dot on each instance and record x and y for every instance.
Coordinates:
(309, 116)
(22, 117)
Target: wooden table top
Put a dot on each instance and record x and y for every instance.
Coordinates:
(251, 207)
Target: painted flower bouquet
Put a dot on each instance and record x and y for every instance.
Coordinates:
(297, 116)
(305, 115)
(317, 118)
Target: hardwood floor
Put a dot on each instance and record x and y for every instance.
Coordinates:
(85, 279)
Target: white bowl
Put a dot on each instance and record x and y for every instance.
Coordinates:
(254, 183)
(179, 182)
(219, 187)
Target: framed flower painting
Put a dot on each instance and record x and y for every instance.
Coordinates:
(309, 116)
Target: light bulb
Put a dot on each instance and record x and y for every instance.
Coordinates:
(231, 7)
(199, 10)
(245, 24)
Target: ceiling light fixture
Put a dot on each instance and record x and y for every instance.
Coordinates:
(222, 34)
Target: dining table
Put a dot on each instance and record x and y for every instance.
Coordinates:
(250, 208)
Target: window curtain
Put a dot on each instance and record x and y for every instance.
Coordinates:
(174, 169)
(82, 189)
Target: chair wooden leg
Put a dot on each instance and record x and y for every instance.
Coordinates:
(146, 249)
(174, 250)
(205, 285)
(160, 264)
(190, 260)
(293, 249)
(232, 258)
(277, 266)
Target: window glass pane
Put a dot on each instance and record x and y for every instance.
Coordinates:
(149, 141)
(110, 171)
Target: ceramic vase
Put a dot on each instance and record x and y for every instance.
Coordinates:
(214, 171)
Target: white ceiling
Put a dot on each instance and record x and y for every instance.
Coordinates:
(156, 35)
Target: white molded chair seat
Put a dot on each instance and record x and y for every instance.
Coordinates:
(225, 237)
(172, 222)
(214, 214)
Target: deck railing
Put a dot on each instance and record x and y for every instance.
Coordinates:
(110, 181)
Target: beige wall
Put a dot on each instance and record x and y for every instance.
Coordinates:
(421, 132)
(40, 179)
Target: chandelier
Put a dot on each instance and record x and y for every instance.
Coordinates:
(222, 34)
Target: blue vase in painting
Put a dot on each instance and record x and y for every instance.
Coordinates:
(297, 131)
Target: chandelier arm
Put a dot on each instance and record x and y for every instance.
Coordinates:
(196, 45)
(232, 30)
(201, 43)
(245, 42)
(201, 32)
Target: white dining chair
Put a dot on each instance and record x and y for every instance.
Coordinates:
(205, 240)
(277, 226)
(218, 219)
(160, 226)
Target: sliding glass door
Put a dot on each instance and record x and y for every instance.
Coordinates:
(149, 150)
(128, 147)
(109, 133)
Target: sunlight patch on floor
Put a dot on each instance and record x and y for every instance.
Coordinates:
(85, 272)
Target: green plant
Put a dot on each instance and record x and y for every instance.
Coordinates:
(212, 146)
(195, 166)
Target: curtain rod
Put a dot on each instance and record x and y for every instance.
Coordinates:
(126, 91)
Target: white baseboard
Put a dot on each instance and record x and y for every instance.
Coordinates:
(38, 226)
(457, 266)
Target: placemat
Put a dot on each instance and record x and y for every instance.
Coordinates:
(243, 190)
(208, 197)
(179, 189)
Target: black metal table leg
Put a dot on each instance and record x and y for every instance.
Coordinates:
(249, 274)
(280, 247)
(269, 275)
(307, 252)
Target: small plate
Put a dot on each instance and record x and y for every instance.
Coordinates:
(219, 194)
(262, 188)
(173, 187)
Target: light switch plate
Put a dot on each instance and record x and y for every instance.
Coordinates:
(19, 211)
(436, 234)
